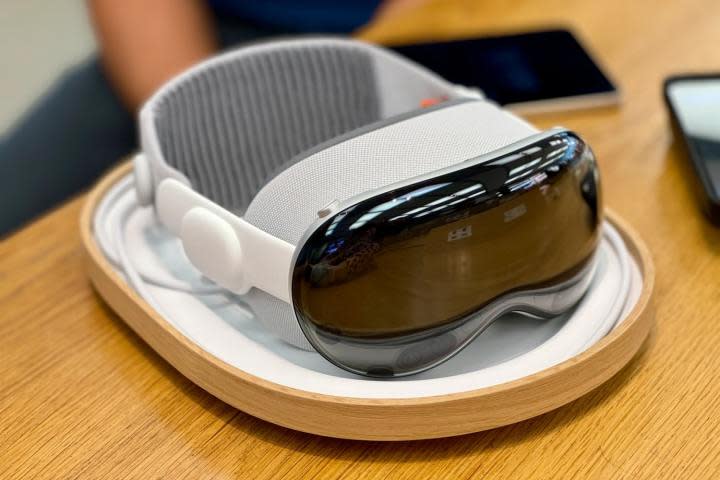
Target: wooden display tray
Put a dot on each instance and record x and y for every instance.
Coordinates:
(375, 419)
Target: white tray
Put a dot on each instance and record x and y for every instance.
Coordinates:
(518, 368)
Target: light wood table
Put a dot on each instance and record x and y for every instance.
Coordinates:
(82, 396)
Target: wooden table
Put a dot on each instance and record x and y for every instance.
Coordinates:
(82, 396)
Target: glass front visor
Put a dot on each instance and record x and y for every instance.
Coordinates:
(401, 280)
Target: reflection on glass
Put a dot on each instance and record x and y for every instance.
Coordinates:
(411, 269)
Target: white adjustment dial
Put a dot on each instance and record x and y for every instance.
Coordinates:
(213, 247)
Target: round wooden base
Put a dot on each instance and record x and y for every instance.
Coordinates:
(375, 419)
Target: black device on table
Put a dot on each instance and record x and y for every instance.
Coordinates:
(528, 72)
(694, 103)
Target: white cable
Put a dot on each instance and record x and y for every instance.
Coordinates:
(121, 197)
(615, 312)
(602, 309)
(121, 202)
(126, 207)
(123, 191)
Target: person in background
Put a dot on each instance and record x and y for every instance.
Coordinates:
(86, 122)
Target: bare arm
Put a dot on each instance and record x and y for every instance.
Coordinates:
(144, 43)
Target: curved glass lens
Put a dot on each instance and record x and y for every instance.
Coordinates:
(399, 282)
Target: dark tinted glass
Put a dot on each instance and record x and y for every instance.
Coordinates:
(396, 283)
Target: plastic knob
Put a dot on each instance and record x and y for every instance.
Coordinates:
(213, 247)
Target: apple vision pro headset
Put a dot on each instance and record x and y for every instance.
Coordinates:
(363, 206)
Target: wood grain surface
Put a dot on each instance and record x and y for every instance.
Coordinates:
(82, 397)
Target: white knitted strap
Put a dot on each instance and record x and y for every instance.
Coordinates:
(227, 124)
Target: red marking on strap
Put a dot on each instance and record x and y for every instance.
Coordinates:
(429, 102)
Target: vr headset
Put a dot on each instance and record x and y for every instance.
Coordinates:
(364, 207)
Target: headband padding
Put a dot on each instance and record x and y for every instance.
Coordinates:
(227, 128)
(230, 122)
